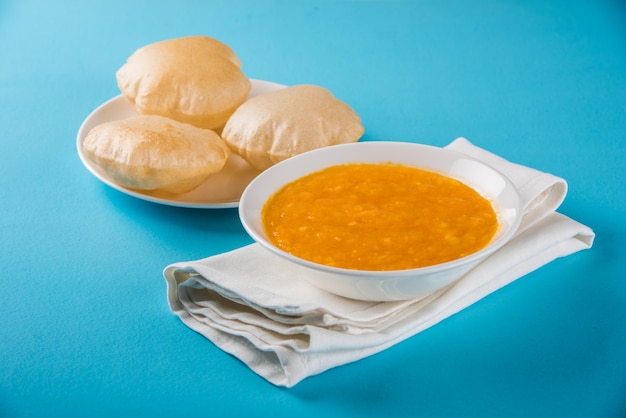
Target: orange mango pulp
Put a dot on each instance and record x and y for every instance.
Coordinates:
(378, 217)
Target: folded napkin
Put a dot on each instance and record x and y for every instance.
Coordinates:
(256, 306)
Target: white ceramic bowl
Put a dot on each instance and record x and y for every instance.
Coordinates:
(386, 285)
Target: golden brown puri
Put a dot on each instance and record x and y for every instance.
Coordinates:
(151, 152)
(195, 80)
(274, 126)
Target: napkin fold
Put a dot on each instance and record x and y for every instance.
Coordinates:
(257, 307)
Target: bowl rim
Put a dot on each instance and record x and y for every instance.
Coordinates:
(492, 247)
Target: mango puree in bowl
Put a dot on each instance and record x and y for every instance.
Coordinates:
(378, 217)
(381, 220)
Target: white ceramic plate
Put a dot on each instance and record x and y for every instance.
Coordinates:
(222, 190)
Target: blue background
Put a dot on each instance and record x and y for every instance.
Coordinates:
(85, 329)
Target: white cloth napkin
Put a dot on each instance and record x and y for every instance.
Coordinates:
(256, 306)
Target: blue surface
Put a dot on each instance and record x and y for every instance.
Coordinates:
(85, 329)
